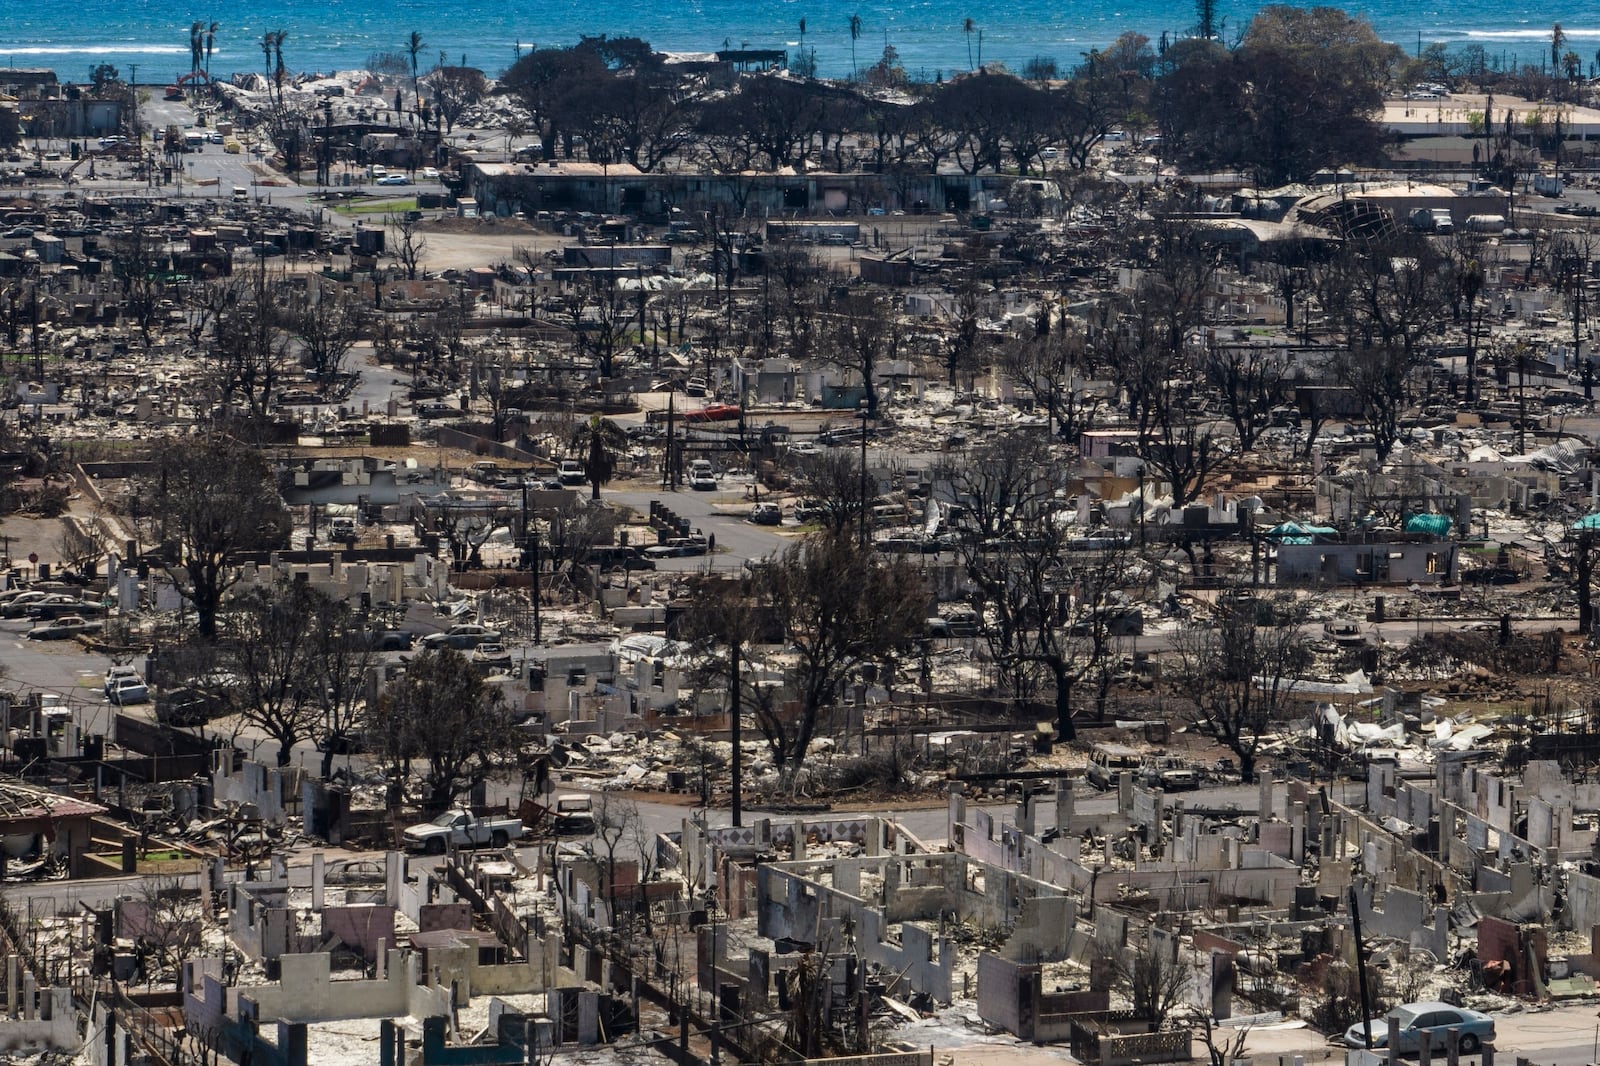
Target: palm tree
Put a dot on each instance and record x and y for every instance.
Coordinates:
(802, 39)
(266, 51)
(967, 27)
(855, 35)
(601, 442)
(211, 43)
(278, 37)
(414, 45)
(195, 45)
(1558, 43)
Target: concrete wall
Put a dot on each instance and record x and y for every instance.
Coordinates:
(43, 1019)
(793, 906)
(267, 788)
(1404, 917)
(1211, 867)
(365, 928)
(306, 992)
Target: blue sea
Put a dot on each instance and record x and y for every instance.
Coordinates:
(928, 34)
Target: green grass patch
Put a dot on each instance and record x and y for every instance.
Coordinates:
(377, 207)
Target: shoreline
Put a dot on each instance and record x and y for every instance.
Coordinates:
(929, 48)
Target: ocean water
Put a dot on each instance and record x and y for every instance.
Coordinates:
(928, 34)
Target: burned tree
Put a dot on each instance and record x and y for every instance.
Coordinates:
(206, 499)
(444, 713)
(1237, 676)
(1054, 608)
(1249, 378)
(1053, 365)
(863, 333)
(832, 480)
(837, 606)
(249, 351)
(326, 327)
(269, 637)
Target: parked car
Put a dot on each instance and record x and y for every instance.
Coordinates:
(953, 625)
(115, 675)
(130, 690)
(462, 829)
(393, 179)
(1426, 1021)
(574, 815)
(430, 173)
(492, 654)
(186, 707)
(390, 640)
(56, 606)
(1107, 762)
(571, 472)
(1169, 773)
(17, 606)
(463, 636)
(1343, 631)
(63, 627)
(766, 514)
(677, 547)
(715, 412)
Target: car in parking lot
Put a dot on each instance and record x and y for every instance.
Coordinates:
(430, 173)
(493, 655)
(953, 625)
(17, 606)
(678, 547)
(116, 675)
(462, 637)
(1430, 1022)
(62, 628)
(129, 690)
(389, 640)
(58, 604)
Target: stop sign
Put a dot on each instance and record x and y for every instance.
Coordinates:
(33, 557)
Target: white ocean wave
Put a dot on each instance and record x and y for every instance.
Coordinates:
(92, 49)
(1533, 34)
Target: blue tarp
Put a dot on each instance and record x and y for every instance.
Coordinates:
(1437, 524)
(1296, 533)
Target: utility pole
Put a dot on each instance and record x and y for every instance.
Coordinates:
(1361, 968)
(863, 474)
(538, 632)
(669, 470)
(735, 654)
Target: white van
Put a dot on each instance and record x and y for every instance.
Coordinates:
(1108, 761)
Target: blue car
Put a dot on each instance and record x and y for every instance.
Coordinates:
(1426, 1021)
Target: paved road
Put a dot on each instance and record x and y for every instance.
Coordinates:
(720, 514)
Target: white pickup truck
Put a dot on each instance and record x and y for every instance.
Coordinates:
(462, 829)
